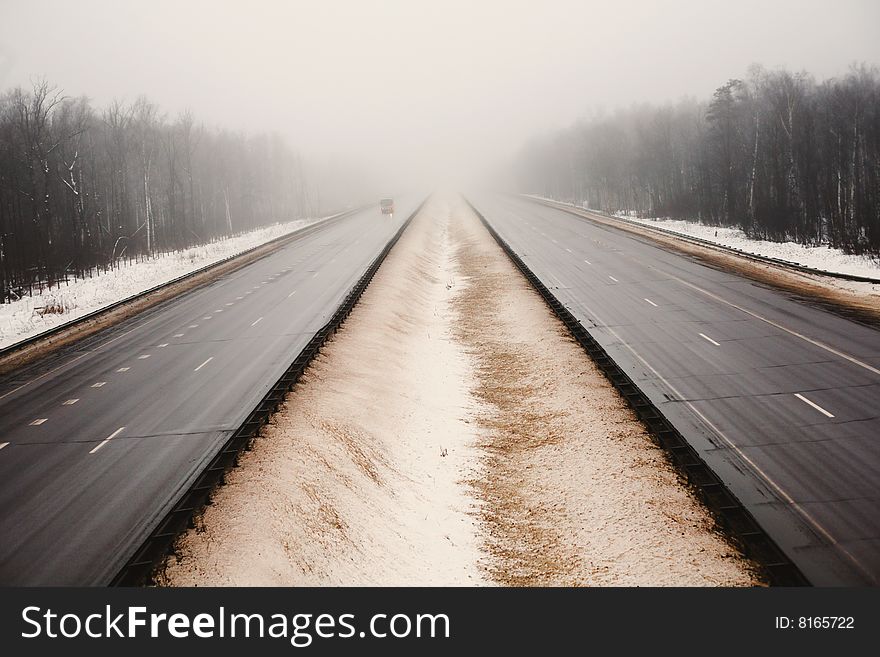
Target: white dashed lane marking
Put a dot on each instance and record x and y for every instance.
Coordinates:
(99, 384)
(70, 402)
(813, 404)
(651, 302)
(817, 343)
(123, 369)
(163, 345)
(203, 364)
(706, 337)
(38, 421)
(613, 279)
(177, 335)
(143, 356)
(258, 320)
(2, 445)
(107, 440)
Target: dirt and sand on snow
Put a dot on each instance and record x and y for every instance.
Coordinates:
(358, 479)
(453, 433)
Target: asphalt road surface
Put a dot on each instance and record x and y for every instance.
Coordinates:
(780, 397)
(99, 440)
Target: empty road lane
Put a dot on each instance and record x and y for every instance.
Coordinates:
(781, 398)
(97, 441)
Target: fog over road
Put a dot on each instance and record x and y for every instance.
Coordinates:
(99, 439)
(779, 397)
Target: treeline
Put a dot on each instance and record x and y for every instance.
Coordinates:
(778, 155)
(83, 188)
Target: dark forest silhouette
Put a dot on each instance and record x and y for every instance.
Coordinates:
(82, 189)
(778, 155)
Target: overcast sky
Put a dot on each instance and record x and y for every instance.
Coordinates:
(438, 87)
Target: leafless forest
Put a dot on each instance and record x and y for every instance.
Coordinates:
(777, 154)
(82, 187)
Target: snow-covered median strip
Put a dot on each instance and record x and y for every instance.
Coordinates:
(822, 258)
(26, 317)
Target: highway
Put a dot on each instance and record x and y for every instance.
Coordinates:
(781, 398)
(98, 440)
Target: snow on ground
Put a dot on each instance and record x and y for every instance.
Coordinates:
(822, 258)
(24, 318)
(357, 480)
(453, 433)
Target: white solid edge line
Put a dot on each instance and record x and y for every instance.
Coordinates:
(259, 319)
(107, 440)
(651, 302)
(203, 364)
(706, 337)
(816, 343)
(819, 527)
(813, 404)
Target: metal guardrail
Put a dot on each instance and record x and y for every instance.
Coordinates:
(139, 568)
(584, 214)
(97, 314)
(727, 509)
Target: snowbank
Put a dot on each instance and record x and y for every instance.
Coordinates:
(418, 451)
(24, 318)
(823, 258)
(359, 478)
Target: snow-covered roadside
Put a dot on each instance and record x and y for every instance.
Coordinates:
(822, 258)
(23, 319)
